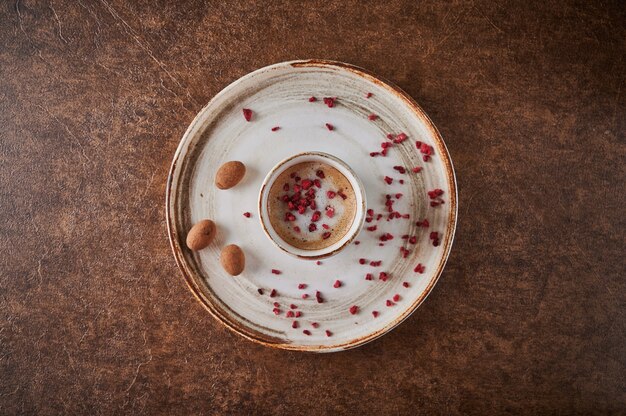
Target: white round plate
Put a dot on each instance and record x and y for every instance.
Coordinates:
(279, 96)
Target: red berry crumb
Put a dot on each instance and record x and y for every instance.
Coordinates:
(419, 268)
(354, 309)
(330, 127)
(330, 101)
(247, 114)
(396, 297)
(337, 284)
(435, 237)
(247, 214)
(375, 314)
(312, 99)
(315, 325)
(294, 324)
(328, 333)
(368, 95)
(400, 138)
(424, 223)
(425, 149)
(386, 237)
(273, 293)
(276, 128)
(302, 286)
(372, 117)
(435, 193)
(306, 332)
(318, 297)
(276, 271)
(405, 284)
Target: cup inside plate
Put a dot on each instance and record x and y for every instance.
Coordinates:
(352, 230)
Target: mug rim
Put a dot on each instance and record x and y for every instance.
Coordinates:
(355, 227)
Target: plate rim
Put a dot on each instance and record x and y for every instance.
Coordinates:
(190, 277)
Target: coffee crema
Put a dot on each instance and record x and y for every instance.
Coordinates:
(311, 205)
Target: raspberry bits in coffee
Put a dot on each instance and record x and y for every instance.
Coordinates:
(311, 205)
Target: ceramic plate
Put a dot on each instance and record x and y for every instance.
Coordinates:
(279, 96)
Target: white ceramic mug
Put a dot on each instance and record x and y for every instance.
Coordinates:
(346, 171)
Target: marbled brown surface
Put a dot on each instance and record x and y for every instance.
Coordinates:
(528, 317)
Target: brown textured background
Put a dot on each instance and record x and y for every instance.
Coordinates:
(528, 317)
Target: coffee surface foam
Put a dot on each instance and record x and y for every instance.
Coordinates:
(344, 209)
